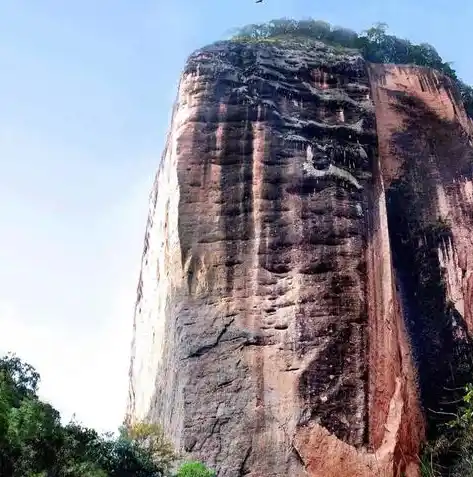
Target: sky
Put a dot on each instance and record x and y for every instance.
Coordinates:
(86, 89)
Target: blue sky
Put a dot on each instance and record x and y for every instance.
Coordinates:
(86, 88)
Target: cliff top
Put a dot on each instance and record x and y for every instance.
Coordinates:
(287, 53)
(374, 45)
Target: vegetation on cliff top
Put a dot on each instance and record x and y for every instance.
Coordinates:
(34, 443)
(375, 44)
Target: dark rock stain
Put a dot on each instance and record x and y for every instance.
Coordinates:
(442, 347)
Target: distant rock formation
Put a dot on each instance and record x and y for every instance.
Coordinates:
(308, 254)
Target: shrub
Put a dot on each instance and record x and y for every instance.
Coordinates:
(451, 452)
(194, 469)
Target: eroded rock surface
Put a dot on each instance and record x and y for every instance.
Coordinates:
(425, 142)
(269, 335)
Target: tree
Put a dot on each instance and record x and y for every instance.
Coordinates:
(22, 376)
(34, 443)
(151, 438)
(34, 436)
(343, 36)
(29, 429)
(377, 33)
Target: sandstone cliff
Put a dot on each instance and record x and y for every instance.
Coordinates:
(307, 254)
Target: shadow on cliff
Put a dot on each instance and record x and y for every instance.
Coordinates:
(434, 152)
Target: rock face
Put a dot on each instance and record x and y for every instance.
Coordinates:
(425, 145)
(308, 250)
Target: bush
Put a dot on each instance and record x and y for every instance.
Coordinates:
(194, 469)
(451, 452)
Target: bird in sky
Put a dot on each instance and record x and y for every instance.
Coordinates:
(259, 1)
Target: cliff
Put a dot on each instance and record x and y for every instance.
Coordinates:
(307, 256)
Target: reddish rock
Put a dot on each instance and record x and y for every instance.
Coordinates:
(273, 329)
(426, 162)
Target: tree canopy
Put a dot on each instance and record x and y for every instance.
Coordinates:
(375, 44)
(34, 442)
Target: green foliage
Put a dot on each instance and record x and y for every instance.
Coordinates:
(283, 28)
(151, 439)
(451, 452)
(375, 44)
(34, 443)
(194, 469)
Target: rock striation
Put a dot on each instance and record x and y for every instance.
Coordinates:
(307, 260)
